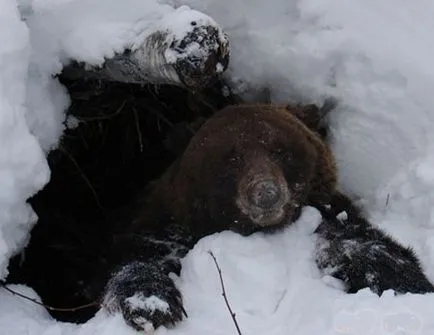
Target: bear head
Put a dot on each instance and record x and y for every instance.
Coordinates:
(248, 168)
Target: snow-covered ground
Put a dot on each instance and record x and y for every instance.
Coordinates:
(374, 56)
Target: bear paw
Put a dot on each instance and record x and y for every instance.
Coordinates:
(149, 312)
(146, 297)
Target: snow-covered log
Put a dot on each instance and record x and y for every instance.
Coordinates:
(186, 48)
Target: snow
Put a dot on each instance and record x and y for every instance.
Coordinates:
(374, 57)
(342, 216)
(272, 285)
(90, 30)
(23, 169)
(152, 303)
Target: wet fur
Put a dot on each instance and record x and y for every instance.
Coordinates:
(351, 249)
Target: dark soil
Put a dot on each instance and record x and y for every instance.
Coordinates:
(128, 135)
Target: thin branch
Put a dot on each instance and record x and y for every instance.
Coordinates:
(86, 180)
(387, 199)
(280, 300)
(159, 116)
(224, 293)
(102, 117)
(139, 133)
(51, 308)
(206, 103)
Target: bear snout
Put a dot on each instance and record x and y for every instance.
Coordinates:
(264, 199)
(264, 194)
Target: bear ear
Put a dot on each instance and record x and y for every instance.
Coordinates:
(325, 179)
(313, 116)
(310, 115)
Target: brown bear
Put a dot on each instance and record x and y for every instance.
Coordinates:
(248, 168)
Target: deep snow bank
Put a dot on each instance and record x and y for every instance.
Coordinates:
(23, 169)
(272, 286)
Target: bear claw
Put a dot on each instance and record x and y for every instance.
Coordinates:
(152, 312)
(146, 297)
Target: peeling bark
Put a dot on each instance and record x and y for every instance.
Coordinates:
(193, 60)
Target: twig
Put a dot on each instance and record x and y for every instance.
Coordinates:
(102, 117)
(160, 116)
(86, 180)
(280, 300)
(51, 308)
(224, 293)
(206, 103)
(139, 133)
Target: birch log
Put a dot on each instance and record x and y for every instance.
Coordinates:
(186, 48)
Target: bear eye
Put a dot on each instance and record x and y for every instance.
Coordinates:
(233, 157)
(279, 153)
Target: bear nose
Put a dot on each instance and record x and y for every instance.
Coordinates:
(264, 194)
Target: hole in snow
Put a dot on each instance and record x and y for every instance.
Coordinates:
(127, 135)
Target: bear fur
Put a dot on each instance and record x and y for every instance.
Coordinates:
(237, 156)
(351, 249)
(248, 168)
